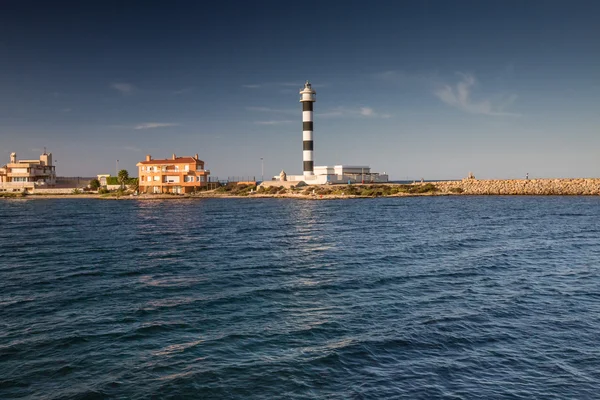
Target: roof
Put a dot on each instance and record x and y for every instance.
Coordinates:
(178, 160)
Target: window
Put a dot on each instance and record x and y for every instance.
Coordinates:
(149, 179)
(177, 168)
(157, 178)
(187, 168)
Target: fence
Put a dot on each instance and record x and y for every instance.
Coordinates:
(72, 181)
(232, 179)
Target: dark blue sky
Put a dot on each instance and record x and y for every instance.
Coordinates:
(417, 89)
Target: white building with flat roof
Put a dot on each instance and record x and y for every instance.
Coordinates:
(339, 174)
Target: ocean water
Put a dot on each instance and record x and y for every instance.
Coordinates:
(417, 298)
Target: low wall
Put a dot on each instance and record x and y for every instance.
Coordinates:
(574, 186)
(285, 184)
(51, 191)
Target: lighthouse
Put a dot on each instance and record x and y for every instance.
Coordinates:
(307, 98)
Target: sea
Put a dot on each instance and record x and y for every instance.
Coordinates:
(456, 297)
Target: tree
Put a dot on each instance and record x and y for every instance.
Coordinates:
(94, 184)
(123, 177)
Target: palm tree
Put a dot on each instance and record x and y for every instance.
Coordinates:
(123, 177)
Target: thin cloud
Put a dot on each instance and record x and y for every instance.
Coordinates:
(331, 114)
(460, 97)
(182, 91)
(367, 111)
(154, 125)
(272, 110)
(251, 86)
(352, 112)
(123, 88)
(273, 122)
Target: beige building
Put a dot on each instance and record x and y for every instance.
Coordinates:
(28, 174)
(174, 175)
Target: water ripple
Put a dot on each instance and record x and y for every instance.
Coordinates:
(437, 297)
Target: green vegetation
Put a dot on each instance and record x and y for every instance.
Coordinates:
(113, 193)
(113, 180)
(272, 190)
(456, 190)
(94, 184)
(235, 189)
(123, 177)
(370, 190)
(11, 195)
(374, 190)
(76, 191)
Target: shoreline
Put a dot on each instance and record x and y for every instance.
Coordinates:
(465, 187)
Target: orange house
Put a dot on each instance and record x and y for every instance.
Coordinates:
(175, 175)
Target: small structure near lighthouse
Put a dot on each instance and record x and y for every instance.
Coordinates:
(320, 175)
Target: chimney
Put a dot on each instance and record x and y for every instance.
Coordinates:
(196, 156)
(148, 157)
(174, 156)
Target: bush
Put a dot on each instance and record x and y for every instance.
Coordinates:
(94, 184)
(456, 190)
(76, 191)
(102, 191)
(10, 195)
(428, 187)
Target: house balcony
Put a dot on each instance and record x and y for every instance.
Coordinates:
(21, 174)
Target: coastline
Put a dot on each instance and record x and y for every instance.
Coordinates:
(465, 187)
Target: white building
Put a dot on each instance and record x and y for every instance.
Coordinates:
(339, 174)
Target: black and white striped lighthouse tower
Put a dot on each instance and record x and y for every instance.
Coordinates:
(307, 98)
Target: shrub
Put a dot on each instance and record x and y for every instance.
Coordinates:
(76, 191)
(94, 184)
(456, 190)
(10, 195)
(429, 187)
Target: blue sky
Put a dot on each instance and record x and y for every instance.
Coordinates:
(430, 89)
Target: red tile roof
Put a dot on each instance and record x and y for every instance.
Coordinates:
(178, 160)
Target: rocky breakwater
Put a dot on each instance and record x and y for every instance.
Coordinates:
(572, 186)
